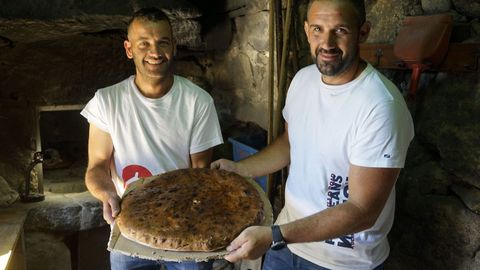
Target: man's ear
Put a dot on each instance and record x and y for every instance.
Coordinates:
(364, 32)
(128, 49)
(305, 27)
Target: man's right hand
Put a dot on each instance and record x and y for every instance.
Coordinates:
(252, 243)
(111, 207)
(224, 164)
(228, 165)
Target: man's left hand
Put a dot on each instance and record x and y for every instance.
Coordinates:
(252, 243)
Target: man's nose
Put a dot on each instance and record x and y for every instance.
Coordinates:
(328, 40)
(155, 51)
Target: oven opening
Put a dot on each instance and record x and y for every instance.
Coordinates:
(63, 136)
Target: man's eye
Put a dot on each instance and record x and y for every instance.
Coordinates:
(341, 31)
(164, 43)
(143, 44)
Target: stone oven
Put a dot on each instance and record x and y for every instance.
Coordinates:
(63, 138)
(55, 54)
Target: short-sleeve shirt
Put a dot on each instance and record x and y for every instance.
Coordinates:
(365, 123)
(152, 136)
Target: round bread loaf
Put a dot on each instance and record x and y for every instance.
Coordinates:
(190, 210)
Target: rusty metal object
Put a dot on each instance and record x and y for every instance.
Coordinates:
(460, 57)
(29, 196)
(422, 44)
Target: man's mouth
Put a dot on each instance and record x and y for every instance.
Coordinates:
(328, 55)
(153, 62)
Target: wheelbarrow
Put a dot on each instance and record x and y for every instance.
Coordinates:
(422, 44)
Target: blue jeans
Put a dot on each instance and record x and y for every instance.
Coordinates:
(119, 261)
(284, 259)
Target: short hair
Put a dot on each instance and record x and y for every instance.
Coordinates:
(152, 14)
(358, 5)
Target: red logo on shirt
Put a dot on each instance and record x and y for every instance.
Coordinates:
(136, 171)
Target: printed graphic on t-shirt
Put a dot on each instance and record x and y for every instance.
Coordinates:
(338, 193)
(134, 172)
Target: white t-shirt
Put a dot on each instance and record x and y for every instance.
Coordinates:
(152, 136)
(364, 122)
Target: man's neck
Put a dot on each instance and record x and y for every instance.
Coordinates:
(154, 87)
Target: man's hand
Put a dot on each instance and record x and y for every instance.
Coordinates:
(252, 243)
(225, 164)
(111, 207)
(228, 165)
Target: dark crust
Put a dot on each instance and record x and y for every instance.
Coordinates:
(190, 210)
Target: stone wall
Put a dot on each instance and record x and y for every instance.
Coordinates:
(60, 54)
(57, 58)
(438, 193)
(64, 59)
(242, 68)
(233, 65)
(50, 72)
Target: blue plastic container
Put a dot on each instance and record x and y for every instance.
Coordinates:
(241, 151)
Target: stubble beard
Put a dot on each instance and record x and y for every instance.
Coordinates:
(337, 67)
(163, 71)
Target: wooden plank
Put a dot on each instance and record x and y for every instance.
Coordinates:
(67, 107)
(18, 261)
(461, 57)
(381, 56)
(11, 231)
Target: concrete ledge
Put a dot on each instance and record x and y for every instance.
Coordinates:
(61, 213)
(71, 212)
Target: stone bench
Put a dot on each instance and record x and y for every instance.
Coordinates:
(45, 224)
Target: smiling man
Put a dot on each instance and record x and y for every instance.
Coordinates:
(150, 123)
(347, 131)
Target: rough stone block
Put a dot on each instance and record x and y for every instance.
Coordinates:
(46, 251)
(469, 8)
(252, 31)
(7, 195)
(436, 6)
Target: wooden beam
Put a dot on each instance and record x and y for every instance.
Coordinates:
(461, 57)
(381, 56)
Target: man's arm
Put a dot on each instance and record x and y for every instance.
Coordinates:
(201, 159)
(270, 159)
(97, 177)
(369, 189)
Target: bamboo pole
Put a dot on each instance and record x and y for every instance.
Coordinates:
(283, 70)
(294, 44)
(282, 90)
(278, 33)
(271, 84)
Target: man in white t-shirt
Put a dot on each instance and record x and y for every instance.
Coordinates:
(347, 131)
(148, 124)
